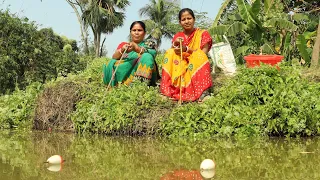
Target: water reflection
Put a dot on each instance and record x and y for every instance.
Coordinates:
(97, 157)
(183, 174)
(54, 167)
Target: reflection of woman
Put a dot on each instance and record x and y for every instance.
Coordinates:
(183, 174)
(137, 60)
(193, 74)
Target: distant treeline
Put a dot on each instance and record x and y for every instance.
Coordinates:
(28, 54)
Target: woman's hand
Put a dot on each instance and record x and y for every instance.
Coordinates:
(127, 47)
(176, 43)
(132, 46)
(178, 51)
(176, 46)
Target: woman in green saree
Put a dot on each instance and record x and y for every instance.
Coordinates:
(137, 60)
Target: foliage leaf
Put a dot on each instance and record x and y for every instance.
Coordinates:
(302, 46)
(242, 50)
(230, 30)
(281, 23)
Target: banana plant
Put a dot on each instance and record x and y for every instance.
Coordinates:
(258, 23)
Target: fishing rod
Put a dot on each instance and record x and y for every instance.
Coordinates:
(114, 73)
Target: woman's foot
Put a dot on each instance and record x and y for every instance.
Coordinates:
(205, 96)
(164, 97)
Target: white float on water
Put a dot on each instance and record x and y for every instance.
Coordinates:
(207, 164)
(207, 168)
(55, 167)
(55, 159)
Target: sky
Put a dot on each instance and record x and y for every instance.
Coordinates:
(59, 15)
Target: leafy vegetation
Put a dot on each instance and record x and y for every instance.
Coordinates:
(16, 109)
(256, 102)
(259, 101)
(29, 55)
(281, 27)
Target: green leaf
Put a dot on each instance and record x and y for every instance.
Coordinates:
(230, 30)
(267, 5)
(309, 35)
(280, 23)
(242, 50)
(247, 15)
(267, 48)
(302, 47)
(255, 8)
(300, 17)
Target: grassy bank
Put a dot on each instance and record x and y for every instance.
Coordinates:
(256, 102)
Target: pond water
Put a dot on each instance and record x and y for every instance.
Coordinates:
(99, 157)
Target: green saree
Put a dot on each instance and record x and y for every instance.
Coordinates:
(131, 67)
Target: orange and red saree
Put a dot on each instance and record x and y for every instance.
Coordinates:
(194, 70)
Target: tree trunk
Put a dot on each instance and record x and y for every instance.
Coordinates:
(84, 33)
(97, 38)
(316, 49)
(101, 49)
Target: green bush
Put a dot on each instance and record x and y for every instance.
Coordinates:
(132, 110)
(30, 55)
(16, 110)
(259, 101)
(255, 102)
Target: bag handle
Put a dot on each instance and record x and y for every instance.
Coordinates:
(225, 38)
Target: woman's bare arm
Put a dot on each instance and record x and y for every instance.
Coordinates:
(117, 54)
(205, 48)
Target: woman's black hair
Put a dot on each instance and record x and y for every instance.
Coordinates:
(186, 10)
(141, 24)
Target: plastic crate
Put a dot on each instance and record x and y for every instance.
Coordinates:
(255, 60)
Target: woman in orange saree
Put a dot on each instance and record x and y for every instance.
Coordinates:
(192, 73)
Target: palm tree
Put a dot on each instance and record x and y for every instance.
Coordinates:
(103, 16)
(161, 15)
(78, 7)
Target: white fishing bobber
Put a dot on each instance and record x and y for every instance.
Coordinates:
(207, 168)
(207, 164)
(55, 159)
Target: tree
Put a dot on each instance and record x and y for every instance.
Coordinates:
(78, 7)
(28, 55)
(202, 20)
(161, 20)
(103, 16)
